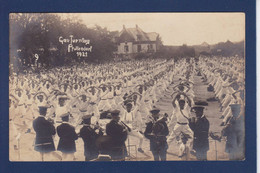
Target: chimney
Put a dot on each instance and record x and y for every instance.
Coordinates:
(136, 26)
(123, 26)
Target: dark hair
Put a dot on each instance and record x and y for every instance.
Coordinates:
(181, 101)
(42, 111)
(86, 121)
(65, 118)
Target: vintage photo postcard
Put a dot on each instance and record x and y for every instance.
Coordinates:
(127, 86)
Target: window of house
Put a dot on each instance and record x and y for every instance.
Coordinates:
(139, 48)
(126, 48)
(150, 47)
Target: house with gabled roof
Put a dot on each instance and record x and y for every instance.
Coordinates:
(135, 40)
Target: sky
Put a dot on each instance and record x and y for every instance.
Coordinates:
(176, 28)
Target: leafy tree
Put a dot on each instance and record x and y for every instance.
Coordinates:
(38, 33)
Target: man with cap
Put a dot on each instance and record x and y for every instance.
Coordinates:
(200, 127)
(89, 137)
(118, 133)
(67, 135)
(44, 131)
(156, 131)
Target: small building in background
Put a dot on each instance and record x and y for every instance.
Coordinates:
(132, 41)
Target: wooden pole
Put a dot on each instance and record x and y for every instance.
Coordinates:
(19, 156)
(128, 140)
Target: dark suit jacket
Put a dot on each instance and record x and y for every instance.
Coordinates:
(67, 135)
(118, 138)
(157, 141)
(115, 130)
(44, 131)
(201, 131)
(89, 137)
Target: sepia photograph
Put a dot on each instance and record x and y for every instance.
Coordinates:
(127, 87)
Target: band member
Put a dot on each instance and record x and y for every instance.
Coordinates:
(118, 134)
(156, 131)
(89, 137)
(44, 131)
(67, 135)
(235, 131)
(200, 127)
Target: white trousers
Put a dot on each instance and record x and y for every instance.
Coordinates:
(138, 135)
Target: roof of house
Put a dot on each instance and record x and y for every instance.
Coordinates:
(136, 34)
(152, 36)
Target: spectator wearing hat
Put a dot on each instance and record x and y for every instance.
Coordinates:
(118, 134)
(156, 131)
(89, 137)
(200, 127)
(44, 132)
(67, 135)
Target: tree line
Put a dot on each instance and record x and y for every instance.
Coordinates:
(34, 40)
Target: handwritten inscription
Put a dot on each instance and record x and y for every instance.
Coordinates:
(81, 50)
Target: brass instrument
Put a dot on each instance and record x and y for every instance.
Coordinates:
(128, 128)
(97, 126)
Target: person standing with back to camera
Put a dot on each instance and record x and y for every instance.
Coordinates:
(89, 137)
(118, 133)
(44, 131)
(67, 135)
